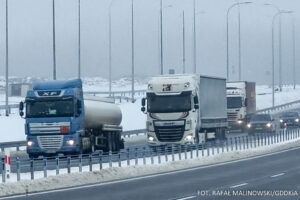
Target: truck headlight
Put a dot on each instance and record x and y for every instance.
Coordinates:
(71, 142)
(188, 137)
(296, 120)
(281, 120)
(30, 143)
(150, 138)
(248, 125)
(268, 125)
(239, 121)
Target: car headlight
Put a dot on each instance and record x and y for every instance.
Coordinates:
(281, 120)
(296, 120)
(71, 142)
(239, 121)
(30, 143)
(268, 125)
(249, 125)
(188, 137)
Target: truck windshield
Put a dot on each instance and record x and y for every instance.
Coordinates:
(169, 103)
(53, 108)
(234, 102)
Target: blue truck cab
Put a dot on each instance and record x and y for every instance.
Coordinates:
(54, 113)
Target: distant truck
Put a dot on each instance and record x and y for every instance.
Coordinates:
(59, 120)
(185, 109)
(241, 102)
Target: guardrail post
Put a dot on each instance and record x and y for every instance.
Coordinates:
(45, 166)
(180, 150)
(144, 155)
(236, 143)
(57, 164)
(240, 142)
(213, 150)
(202, 148)
(197, 149)
(227, 144)
(119, 159)
(136, 156)
(218, 146)
(31, 168)
(69, 164)
(151, 155)
(185, 151)
(166, 153)
(100, 159)
(91, 161)
(158, 154)
(80, 162)
(191, 150)
(207, 150)
(258, 140)
(18, 148)
(110, 158)
(244, 145)
(18, 169)
(173, 157)
(3, 170)
(128, 158)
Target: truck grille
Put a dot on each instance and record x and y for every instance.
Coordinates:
(232, 116)
(51, 142)
(46, 128)
(169, 133)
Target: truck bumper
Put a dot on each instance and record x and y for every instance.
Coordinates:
(187, 138)
(43, 148)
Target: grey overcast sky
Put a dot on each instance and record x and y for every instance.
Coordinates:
(30, 37)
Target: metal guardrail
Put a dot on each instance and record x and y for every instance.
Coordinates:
(115, 93)
(279, 108)
(141, 156)
(10, 106)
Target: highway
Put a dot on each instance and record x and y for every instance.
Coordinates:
(269, 173)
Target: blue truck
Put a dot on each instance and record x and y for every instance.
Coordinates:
(61, 120)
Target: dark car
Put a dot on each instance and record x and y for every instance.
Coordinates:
(261, 123)
(289, 119)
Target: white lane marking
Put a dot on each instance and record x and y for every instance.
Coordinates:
(239, 185)
(185, 198)
(276, 175)
(148, 176)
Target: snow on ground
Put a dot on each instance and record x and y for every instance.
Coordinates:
(117, 173)
(264, 96)
(133, 118)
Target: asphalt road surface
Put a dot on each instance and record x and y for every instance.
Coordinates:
(276, 176)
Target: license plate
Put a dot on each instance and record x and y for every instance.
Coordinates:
(50, 151)
(258, 128)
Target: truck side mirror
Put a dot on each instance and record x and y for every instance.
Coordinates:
(79, 108)
(21, 108)
(143, 102)
(196, 101)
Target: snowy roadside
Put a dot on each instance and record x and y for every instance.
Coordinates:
(116, 173)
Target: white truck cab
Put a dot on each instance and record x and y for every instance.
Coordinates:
(173, 110)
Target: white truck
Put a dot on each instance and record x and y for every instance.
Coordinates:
(185, 109)
(241, 102)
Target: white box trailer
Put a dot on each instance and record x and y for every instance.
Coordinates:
(185, 109)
